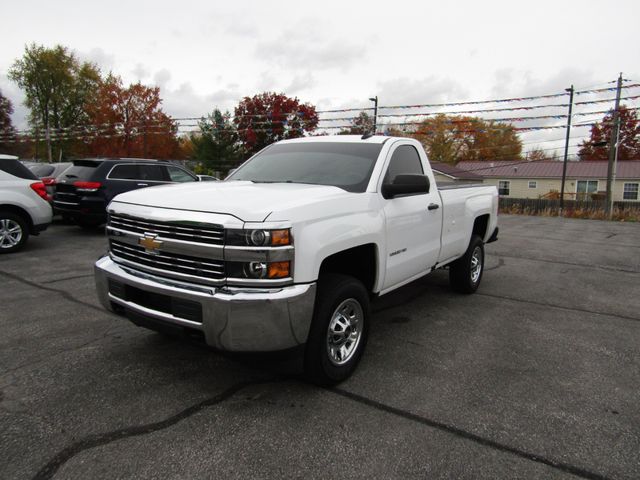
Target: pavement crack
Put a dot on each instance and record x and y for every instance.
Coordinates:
(573, 264)
(573, 241)
(561, 307)
(64, 279)
(109, 332)
(101, 439)
(564, 467)
(66, 295)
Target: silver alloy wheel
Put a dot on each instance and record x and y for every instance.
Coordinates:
(476, 265)
(10, 233)
(345, 331)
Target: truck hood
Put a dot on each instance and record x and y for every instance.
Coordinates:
(247, 201)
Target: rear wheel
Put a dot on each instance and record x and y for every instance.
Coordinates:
(466, 272)
(339, 329)
(14, 232)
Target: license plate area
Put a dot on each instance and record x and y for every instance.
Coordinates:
(178, 307)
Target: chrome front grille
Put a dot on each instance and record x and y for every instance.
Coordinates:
(196, 269)
(208, 234)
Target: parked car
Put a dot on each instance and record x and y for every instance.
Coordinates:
(48, 173)
(24, 205)
(85, 189)
(287, 251)
(208, 178)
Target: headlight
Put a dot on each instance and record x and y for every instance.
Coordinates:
(259, 270)
(258, 238)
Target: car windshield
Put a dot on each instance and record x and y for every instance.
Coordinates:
(340, 164)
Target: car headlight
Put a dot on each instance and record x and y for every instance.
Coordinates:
(259, 238)
(259, 270)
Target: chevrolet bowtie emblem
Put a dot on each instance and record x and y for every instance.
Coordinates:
(149, 242)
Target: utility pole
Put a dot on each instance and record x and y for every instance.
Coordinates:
(566, 150)
(375, 113)
(613, 150)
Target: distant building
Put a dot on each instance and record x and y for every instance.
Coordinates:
(445, 173)
(584, 180)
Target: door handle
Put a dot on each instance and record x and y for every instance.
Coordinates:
(143, 184)
(433, 206)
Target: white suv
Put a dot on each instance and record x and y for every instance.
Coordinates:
(24, 204)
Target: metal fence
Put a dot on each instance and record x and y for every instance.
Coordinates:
(537, 206)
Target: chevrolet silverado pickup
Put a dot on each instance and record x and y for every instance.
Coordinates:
(289, 250)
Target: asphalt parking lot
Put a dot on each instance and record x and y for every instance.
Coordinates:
(535, 376)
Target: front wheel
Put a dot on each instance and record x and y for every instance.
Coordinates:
(466, 272)
(339, 330)
(14, 232)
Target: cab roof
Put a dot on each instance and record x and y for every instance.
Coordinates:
(340, 139)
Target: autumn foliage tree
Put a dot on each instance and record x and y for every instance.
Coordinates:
(360, 125)
(629, 138)
(539, 155)
(6, 127)
(269, 117)
(452, 139)
(129, 122)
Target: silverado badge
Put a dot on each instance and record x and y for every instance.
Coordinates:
(149, 242)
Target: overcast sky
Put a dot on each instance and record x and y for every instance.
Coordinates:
(335, 54)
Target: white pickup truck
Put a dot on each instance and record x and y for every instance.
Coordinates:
(288, 251)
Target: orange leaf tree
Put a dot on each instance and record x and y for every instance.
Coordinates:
(129, 122)
(629, 138)
(452, 139)
(269, 117)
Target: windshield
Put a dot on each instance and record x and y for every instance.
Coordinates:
(344, 165)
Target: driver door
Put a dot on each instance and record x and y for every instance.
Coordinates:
(413, 222)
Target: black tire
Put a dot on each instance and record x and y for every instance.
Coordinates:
(463, 274)
(14, 232)
(335, 293)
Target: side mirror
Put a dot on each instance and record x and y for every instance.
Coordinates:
(406, 185)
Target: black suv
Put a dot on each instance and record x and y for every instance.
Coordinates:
(85, 189)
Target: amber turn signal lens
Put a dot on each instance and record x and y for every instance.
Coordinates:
(280, 237)
(279, 269)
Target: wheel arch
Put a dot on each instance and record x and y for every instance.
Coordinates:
(7, 207)
(481, 226)
(360, 262)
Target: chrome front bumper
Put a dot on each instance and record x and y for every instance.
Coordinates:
(233, 320)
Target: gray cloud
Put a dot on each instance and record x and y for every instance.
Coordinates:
(140, 72)
(509, 82)
(162, 77)
(293, 50)
(186, 102)
(105, 61)
(432, 89)
(300, 83)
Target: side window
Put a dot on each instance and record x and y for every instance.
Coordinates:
(405, 160)
(125, 172)
(152, 173)
(178, 175)
(17, 169)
